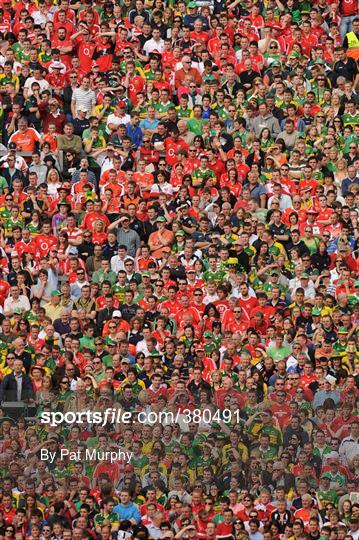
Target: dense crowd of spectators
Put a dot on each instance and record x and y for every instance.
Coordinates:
(179, 188)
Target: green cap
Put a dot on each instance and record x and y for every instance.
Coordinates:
(342, 330)
(316, 311)
(275, 273)
(146, 273)
(275, 63)
(319, 61)
(161, 219)
(56, 293)
(17, 311)
(192, 5)
(356, 284)
(304, 276)
(207, 334)
(180, 233)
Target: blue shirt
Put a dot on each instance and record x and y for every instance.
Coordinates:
(149, 124)
(128, 511)
(135, 134)
(347, 182)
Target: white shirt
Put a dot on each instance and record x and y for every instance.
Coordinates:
(208, 299)
(141, 347)
(117, 120)
(348, 449)
(20, 163)
(284, 202)
(309, 291)
(162, 188)
(44, 85)
(83, 98)
(291, 362)
(117, 263)
(41, 18)
(294, 283)
(42, 335)
(22, 302)
(152, 45)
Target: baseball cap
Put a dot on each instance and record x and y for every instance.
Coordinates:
(56, 293)
(342, 330)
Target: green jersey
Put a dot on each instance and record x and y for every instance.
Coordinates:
(216, 276)
(113, 518)
(199, 175)
(183, 113)
(162, 108)
(3, 183)
(119, 291)
(275, 436)
(350, 120)
(329, 496)
(195, 126)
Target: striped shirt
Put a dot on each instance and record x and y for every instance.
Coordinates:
(84, 99)
(130, 239)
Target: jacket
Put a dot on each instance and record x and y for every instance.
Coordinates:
(8, 388)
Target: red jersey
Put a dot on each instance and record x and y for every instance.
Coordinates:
(103, 56)
(248, 303)
(172, 148)
(282, 414)
(85, 52)
(137, 84)
(44, 242)
(349, 8)
(4, 289)
(90, 218)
